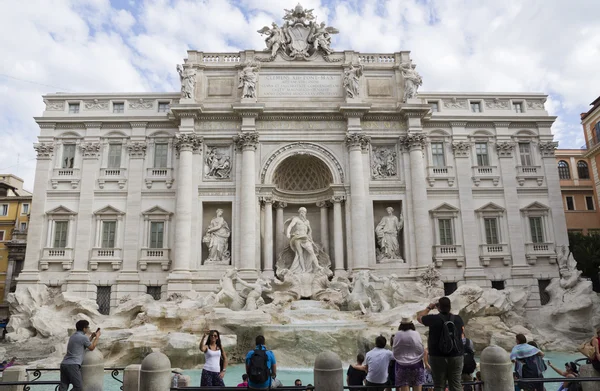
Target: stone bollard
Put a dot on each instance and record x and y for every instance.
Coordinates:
(329, 374)
(587, 370)
(155, 373)
(92, 370)
(10, 374)
(131, 377)
(496, 369)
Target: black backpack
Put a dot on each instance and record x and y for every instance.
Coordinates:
(448, 343)
(469, 364)
(259, 371)
(575, 386)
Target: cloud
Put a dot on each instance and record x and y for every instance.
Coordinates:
(547, 46)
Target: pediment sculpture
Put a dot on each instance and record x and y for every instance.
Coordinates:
(300, 37)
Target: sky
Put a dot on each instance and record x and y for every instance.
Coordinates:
(548, 46)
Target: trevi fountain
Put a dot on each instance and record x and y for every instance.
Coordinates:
(307, 194)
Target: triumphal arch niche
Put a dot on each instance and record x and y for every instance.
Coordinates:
(325, 145)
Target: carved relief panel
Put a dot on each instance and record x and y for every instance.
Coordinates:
(384, 162)
(217, 162)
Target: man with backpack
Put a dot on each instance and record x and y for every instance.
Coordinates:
(445, 345)
(469, 364)
(261, 366)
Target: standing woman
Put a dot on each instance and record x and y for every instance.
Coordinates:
(409, 353)
(213, 373)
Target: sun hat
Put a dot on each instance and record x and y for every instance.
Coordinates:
(406, 320)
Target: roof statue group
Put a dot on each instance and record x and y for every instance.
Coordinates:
(300, 36)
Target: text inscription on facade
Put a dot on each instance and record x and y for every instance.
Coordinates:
(300, 85)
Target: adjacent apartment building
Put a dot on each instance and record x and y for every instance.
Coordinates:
(15, 205)
(591, 130)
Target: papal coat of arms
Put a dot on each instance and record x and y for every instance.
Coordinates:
(300, 37)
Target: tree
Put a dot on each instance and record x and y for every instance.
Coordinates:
(586, 251)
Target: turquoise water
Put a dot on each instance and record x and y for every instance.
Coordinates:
(288, 375)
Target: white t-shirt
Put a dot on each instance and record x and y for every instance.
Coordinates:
(213, 358)
(378, 361)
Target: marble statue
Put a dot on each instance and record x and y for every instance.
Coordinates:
(351, 80)
(387, 236)
(217, 240)
(383, 163)
(364, 296)
(300, 234)
(248, 78)
(188, 81)
(567, 268)
(218, 164)
(226, 292)
(286, 288)
(275, 39)
(254, 292)
(412, 80)
(300, 37)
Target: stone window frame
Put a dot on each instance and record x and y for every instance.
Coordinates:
(114, 138)
(163, 102)
(60, 213)
(108, 213)
(478, 102)
(493, 210)
(436, 102)
(440, 136)
(122, 107)
(537, 209)
(523, 108)
(67, 138)
(587, 205)
(483, 136)
(446, 211)
(161, 138)
(23, 212)
(527, 136)
(572, 203)
(73, 104)
(156, 214)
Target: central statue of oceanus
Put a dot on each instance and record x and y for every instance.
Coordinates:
(300, 37)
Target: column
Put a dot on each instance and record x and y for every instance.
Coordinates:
(280, 238)
(415, 142)
(128, 279)
(78, 280)
(338, 235)
(470, 242)
(35, 241)
(356, 142)
(324, 205)
(268, 238)
(248, 142)
(179, 279)
(506, 148)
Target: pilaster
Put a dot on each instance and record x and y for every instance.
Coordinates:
(338, 239)
(324, 207)
(280, 238)
(268, 237)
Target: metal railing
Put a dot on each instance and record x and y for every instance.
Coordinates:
(36, 374)
(310, 388)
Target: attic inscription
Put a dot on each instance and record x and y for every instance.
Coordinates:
(300, 86)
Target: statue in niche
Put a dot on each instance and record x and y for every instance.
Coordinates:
(188, 81)
(351, 80)
(383, 164)
(218, 164)
(217, 240)
(300, 234)
(412, 80)
(248, 78)
(387, 236)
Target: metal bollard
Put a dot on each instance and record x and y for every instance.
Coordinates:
(587, 370)
(11, 374)
(329, 374)
(496, 369)
(92, 370)
(155, 373)
(131, 377)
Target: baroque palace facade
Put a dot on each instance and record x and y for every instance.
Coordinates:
(161, 193)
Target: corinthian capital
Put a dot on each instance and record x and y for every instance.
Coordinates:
(137, 149)
(505, 148)
(187, 142)
(246, 140)
(461, 148)
(413, 140)
(90, 150)
(357, 140)
(547, 148)
(44, 150)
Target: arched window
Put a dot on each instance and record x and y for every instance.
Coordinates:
(563, 170)
(582, 170)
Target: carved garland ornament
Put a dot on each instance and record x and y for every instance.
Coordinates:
(360, 140)
(416, 140)
(505, 148)
(96, 104)
(461, 148)
(547, 148)
(44, 150)
(302, 147)
(141, 104)
(137, 149)
(246, 140)
(54, 106)
(187, 141)
(90, 150)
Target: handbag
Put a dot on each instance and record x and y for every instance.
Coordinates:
(587, 350)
